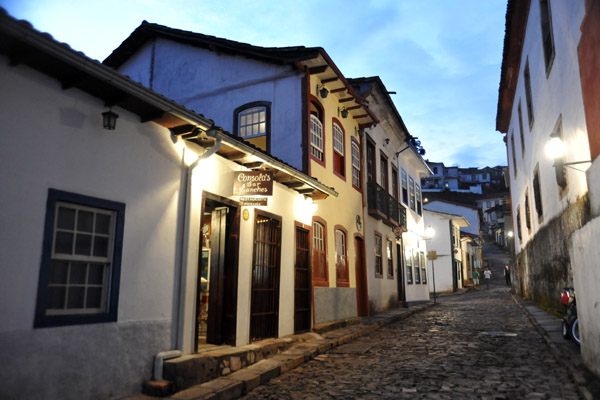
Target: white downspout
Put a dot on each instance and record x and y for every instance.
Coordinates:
(182, 268)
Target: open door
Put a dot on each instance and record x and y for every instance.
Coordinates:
(217, 273)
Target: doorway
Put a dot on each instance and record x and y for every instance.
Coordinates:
(302, 281)
(362, 293)
(266, 261)
(400, 274)
(216, 298)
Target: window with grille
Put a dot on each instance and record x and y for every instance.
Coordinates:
(356, 165)
(320, 274)
(338, 150)
(341, 259)
(80, 270)
(378, 256)
(252, 122)
(316, 137)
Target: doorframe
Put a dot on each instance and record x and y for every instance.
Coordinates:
(308, 228)
(234, 237)
(364, 294)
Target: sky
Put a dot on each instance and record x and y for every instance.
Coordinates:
(441, 57)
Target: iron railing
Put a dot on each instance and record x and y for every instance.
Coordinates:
(384, 206)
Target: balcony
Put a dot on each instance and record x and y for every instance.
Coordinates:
(384, 207)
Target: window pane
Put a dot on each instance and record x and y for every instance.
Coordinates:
(94, 297)
(103, 223)
(78, 271)
(75, 297)
(58, 271)
(83, 244)
(96, 274)
(85, 221)
(100, 246)
(66, 218)
(56, 297)
(64, 243)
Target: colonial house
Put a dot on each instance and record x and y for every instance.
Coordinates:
(292, 102)
(445, 269)
(131, 226)
(396, 264)
(548, 100)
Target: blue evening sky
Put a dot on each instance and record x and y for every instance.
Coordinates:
(442, 57)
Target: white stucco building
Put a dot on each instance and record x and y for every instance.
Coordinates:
(549, 90)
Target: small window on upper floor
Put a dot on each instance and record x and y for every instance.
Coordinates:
(356, 165)
(412, 193)
(547, 36)
(404, 184)
(339, 151)
(317, 140)
(252, 123)
(520, 114)
(418, 199)
(514, 155)
(528, 95)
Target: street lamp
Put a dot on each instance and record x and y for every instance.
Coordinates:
(432, 255)
(556, 149)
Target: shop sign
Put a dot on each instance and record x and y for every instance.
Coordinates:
(253, 201)
(253, 183)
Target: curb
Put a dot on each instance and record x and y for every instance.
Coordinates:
(238, 384)
(575, 375)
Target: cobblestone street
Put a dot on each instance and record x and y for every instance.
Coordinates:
(475, 345)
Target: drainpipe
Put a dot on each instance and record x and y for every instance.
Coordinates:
(177, 342)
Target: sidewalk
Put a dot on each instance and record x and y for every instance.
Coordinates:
(278, 356)
(566, 352)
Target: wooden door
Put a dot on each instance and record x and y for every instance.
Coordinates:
(302, 282)
(362, 293)
(264, 306)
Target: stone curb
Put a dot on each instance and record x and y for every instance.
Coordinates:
(241, 382)
(575, 375)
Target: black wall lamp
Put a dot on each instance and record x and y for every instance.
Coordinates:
(109, 120)
(343, 112)
(322, 90)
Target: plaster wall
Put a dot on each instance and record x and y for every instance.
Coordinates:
(53, 138)
(441, 244)
(556, 95)
(471, 214)
(584, 261)
(216, 84)
(215, 175)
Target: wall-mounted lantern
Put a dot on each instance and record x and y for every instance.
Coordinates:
(322, 90)
(343, 112)
(109, 120)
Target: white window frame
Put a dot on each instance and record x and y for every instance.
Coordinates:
(355, 164)
(411, 192)
(338, 139)
(253, 119)
(316, 137)
(318, 236)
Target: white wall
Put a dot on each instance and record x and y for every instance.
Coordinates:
(471, 214)
(555, 95)
(53, 138)
(441, 244)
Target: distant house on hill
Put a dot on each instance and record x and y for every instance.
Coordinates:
(463, 180)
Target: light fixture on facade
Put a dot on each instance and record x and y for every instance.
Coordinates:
(510, 234)
(556, 149)
(387, 141)
(429, 233)
(343, 112)
(322, 90)
(109, 120)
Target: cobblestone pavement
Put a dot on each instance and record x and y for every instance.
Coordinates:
(475, 345)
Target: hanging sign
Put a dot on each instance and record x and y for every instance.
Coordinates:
(253, 201)
(253, 183)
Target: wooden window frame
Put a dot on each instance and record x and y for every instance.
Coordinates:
(384, 173)
(395, 183)
(378, 253)
(319, 114)
(237, 113)
(547, 35)
(404, 186)
(316, 267)
(356, 167)
(342, 278)
(390, 257)
(339, 158)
